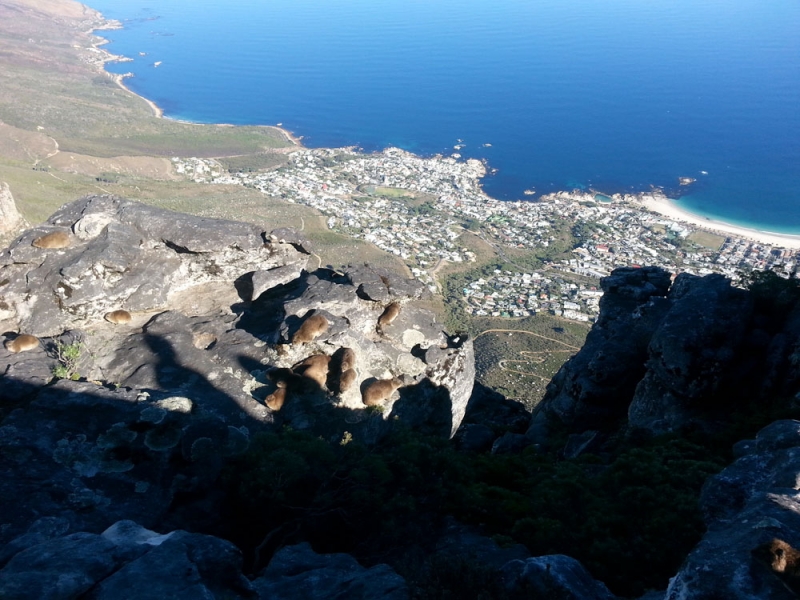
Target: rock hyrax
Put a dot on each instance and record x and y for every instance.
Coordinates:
(348, 359)
(785, 559)
(56, 239)
(380, 390)
(314, 368)
(283, 378)
(22, 343)
(276, 399)
(118, 317)
(346, 380)
(311, 329)
(389, 315)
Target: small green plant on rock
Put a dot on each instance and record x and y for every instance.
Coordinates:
(68, 356)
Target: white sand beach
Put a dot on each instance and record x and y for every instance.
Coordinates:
(669, 209)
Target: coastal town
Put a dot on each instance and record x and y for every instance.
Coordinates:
(419, 208)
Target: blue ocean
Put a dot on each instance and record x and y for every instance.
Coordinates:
(611, 95)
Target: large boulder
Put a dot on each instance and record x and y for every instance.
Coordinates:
(124, 255)
(664, 358)
(297, 572)
(555, 576)
(10, 219)
(106, 419)
(126, 561)
(753, 517)
(692, 353)
(593, 389)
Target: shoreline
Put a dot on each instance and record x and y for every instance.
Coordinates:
(668, 208)
(158, 112)
(659, 204)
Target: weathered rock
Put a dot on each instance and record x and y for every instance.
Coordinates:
(175, 565)
(464, 543)
(593, 389)
(130, 256)
(10, 219)
(553, 576)
(297, 572)
(266, 280)
(65, 567)
(91, 456)
(664, 359)
(692, 352)
(126, 561)
(748, 506)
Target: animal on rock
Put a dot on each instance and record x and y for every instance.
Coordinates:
(22, 343)
(118, 317)
(283, 377)
(378, 391)
(315, 368)
(388, 316)
(348, 359)
(276, 399)
(53, 240)
(346, 380)
(311, 329)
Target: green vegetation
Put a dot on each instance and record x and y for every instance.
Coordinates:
(630, 518)
(68, 357)
(519, 358)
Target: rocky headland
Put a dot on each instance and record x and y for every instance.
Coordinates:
(159, 371)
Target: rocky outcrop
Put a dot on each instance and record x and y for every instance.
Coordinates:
(149, 409)
(125, 255)
(553, 576)
(10, 219)
(663, 357)
(753, 517)
(297, 572)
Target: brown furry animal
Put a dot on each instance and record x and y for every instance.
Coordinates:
(311, 329)
(380, 390)
(118, 317)
(276, 399)
(54, 240)
(388, 316)
(283, 377)
(348, 359)
(315, 368)
(22, 343)
(784, 562)
(346, 380)
(785, 559)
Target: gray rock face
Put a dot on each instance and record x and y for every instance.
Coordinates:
(692, 351)
(10, 219)
(163, 400)
(126, 255)
(593, 389)
(126, 561)
(750, 509)
(89, 456)
(297, 572)
(663, 358)
(554, 576)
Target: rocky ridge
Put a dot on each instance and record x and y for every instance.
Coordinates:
(181, 325)
(188, 328)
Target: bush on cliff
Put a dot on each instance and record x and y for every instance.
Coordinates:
(631, 518)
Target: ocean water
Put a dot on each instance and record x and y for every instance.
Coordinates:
(613, 95)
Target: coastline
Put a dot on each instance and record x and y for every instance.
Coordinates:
(668, 208)
(656, 203)
(158, 112)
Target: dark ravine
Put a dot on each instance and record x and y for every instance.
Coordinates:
(134, 435)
